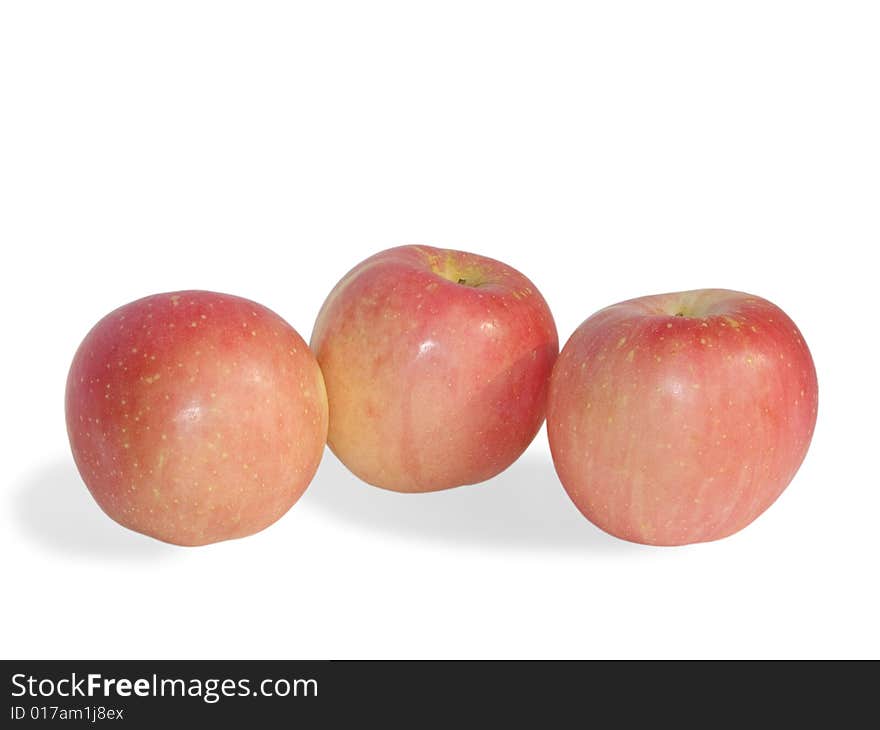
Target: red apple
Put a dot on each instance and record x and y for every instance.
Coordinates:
(436, 364)
(680, 418)
(195, 417)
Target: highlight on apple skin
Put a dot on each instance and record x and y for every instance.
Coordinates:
(437, 364)
(195, 417)
(680, 418)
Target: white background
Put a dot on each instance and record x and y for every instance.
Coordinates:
(607, 150)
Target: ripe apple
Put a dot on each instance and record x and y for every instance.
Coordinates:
(680, 418)
(436, 364)
(195, 417)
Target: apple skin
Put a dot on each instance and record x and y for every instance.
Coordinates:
(195, 417)
(436, 364)
(680, 418)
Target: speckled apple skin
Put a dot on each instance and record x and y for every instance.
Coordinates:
(195, 417)
(432, 383)
(668, 430)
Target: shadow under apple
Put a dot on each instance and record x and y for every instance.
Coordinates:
(53, 508)
(524, 508)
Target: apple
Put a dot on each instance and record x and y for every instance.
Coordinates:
(436, 364)
(680, 418)
(195, 417)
